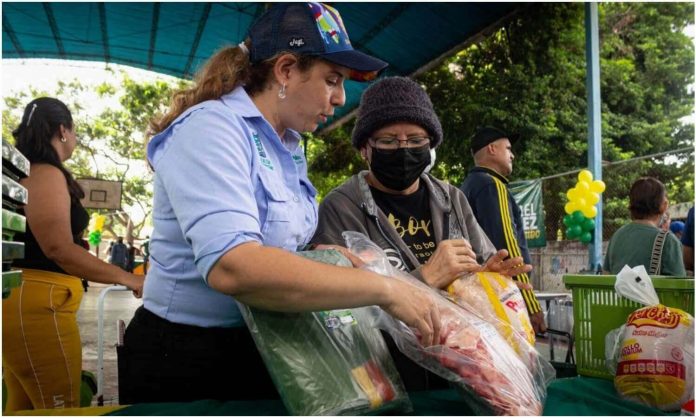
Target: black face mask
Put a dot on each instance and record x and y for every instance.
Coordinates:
(399, 169)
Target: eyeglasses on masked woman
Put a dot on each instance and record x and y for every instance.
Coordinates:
(390, 144)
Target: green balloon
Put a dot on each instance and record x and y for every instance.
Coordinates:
(586, 237)
(577, 231)
(569, 233)
(578, 217)
(567, 220)
(588, 225)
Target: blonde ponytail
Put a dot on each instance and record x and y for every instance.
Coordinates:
(222, 73)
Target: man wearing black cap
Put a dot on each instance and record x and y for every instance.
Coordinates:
(494, 207)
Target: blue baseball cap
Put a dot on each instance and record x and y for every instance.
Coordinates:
(676, 226)
(310, 29)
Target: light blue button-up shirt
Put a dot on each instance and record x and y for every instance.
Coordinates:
(223, 177)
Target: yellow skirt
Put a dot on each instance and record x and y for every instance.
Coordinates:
(41, 347)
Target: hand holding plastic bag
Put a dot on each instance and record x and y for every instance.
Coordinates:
(330, 362)
(471, 352)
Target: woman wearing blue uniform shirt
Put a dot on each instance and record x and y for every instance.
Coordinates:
(232, 202)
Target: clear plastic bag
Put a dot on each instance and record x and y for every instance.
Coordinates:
(328, 363)
(652, 355)
(471, 353)
(493, 295)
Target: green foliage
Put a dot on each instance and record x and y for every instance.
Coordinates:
(529, 77)
(112, 142)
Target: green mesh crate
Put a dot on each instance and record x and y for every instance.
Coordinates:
(597, 309)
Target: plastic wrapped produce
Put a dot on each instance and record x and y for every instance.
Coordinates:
(472, 353)
(327, 363)
(652, 355)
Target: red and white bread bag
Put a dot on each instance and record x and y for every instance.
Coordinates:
(655, 351)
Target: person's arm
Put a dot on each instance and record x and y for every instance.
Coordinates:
(672, 257)
(48, 215)
(688, 255)
(688, 241)
(295, 284)
(494, 216)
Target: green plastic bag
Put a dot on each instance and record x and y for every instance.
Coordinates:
(327, 363)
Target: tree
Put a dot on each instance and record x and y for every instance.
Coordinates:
(112, 142)
(529, 77)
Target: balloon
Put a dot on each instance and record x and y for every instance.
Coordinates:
(586, 237)
(585, 175)
(575, 231)
(567, 220)
(580, 203)
(592, 198)
(99, 222)
(578, 217)
(572, 194)
(569, 233)
(582, 186)
(589, 211)
(588, 225)
(598, 186)
(570, 208)
(94, 237)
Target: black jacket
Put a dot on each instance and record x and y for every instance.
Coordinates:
(501, 219)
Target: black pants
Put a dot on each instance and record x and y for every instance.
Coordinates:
(161, 361)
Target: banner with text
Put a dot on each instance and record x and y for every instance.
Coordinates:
(527, 194)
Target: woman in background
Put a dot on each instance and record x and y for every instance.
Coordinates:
(41, 348)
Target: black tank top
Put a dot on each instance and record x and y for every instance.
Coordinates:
(34, 258)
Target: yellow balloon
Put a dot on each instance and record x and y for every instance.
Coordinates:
(580, 203)
(582, 187)
(589, 211)
(585, 175)
(570, 208)
(598, 186)
(99, 222)
(572, 194)
(592, 198)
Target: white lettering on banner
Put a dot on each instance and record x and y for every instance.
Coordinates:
(528, 210)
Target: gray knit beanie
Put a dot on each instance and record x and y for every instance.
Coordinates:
(392, 100)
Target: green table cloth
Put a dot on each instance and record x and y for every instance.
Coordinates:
(573, 396)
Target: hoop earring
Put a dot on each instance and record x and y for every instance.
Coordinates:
(63, 140)
(281, 92)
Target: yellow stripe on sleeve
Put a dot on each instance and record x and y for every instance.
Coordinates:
(513, 246)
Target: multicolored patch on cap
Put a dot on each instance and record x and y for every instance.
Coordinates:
(330, 27)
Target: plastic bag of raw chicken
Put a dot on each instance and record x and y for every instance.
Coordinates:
(472, 353)
(652, 354)
(493, 295)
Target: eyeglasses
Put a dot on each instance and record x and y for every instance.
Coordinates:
(391, 143)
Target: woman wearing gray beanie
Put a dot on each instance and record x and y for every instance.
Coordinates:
(425, 226)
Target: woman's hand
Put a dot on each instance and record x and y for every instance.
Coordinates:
(134, 283)
(357, 262)
(416, 308)
(510, 267)
(451, 259)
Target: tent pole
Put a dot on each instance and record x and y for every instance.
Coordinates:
(594, 122)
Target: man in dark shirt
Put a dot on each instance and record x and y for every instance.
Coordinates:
(119, 254)
(494, 207)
